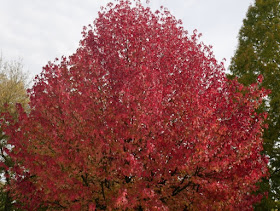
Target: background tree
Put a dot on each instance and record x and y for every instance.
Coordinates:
(13, 85)
(258, 52)
(140, 117)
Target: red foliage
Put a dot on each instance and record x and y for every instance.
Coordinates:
(140, 117)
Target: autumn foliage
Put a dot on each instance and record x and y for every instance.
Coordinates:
(141, 117)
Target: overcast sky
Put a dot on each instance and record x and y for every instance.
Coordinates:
(39, 31)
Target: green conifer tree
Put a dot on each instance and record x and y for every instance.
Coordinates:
(258, 53)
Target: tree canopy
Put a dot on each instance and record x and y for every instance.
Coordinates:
(258, 53)
(140, 117)
(13, 85)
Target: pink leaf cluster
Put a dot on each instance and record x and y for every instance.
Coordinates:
(141, 117)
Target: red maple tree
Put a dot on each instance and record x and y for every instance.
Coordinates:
(141, 117)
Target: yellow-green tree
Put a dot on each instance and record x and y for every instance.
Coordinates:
(13, 85)
(258, 53)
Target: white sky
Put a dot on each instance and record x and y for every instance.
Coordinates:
(39, 31)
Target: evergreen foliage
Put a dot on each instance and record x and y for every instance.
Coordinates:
(258, 53)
